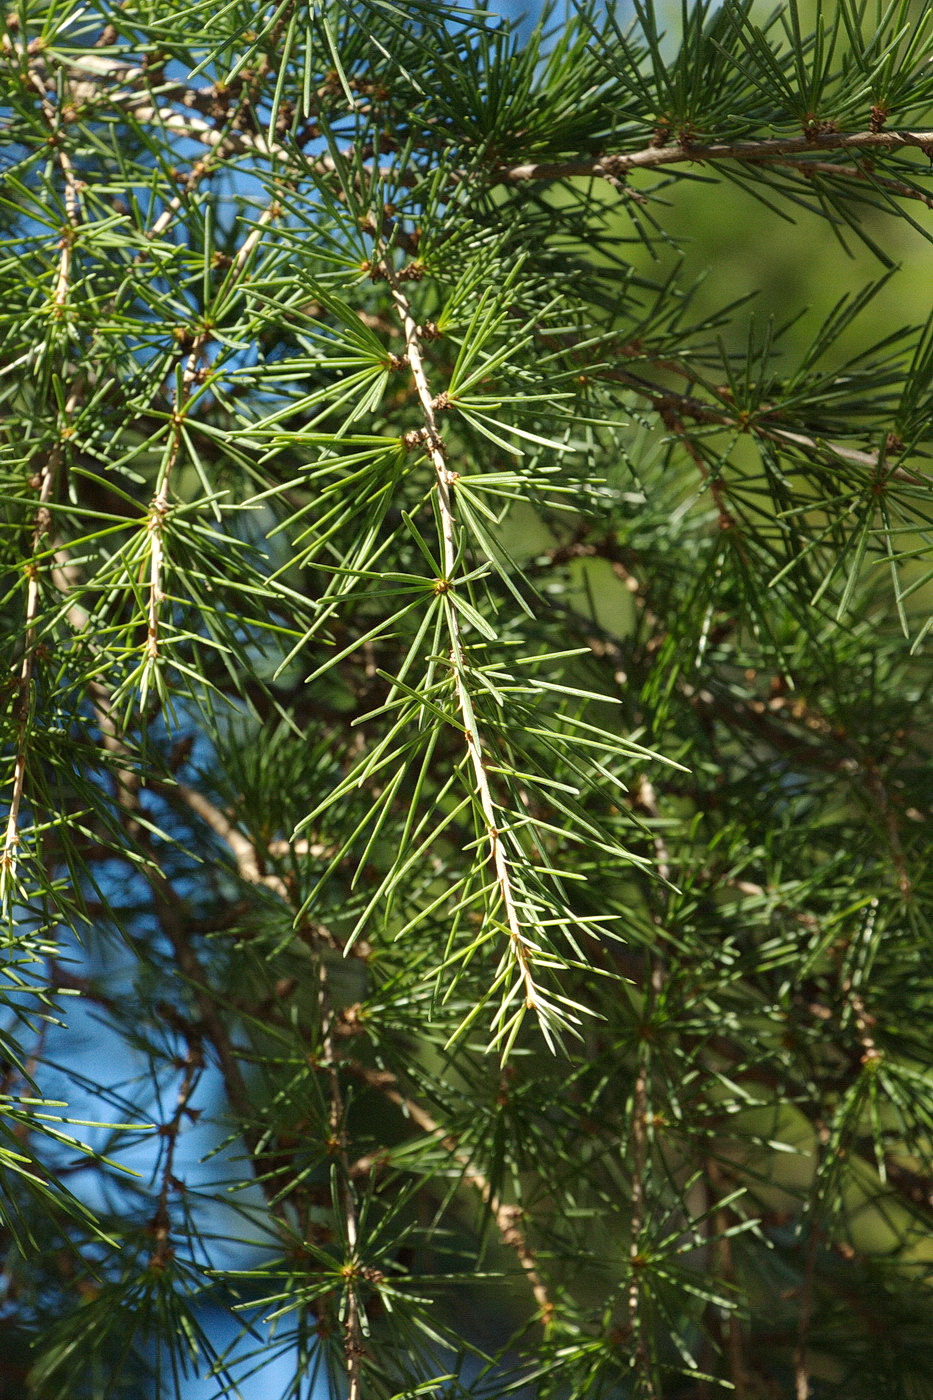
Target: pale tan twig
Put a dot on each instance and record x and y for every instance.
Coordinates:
(24, 680)
(42, 520)
(446, 480)
(129, 86)
(243, 850)
(160, 505)
(200, 170)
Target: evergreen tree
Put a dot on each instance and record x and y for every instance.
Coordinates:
(466, 732)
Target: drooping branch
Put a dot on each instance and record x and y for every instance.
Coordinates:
(767, 423)
(46, 481)
(353, 1348)
(898, 188)
(160, 506)
(445, 484)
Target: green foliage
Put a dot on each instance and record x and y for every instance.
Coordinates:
(465, 911)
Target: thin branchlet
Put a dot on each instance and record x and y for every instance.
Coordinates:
(508, 1218)
(47, 481)
(354, 1348)
(620, 163)
(445, 486)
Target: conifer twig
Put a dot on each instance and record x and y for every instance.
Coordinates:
(161, 1223)
(619, 163)
(639, 1141)
(354, 1350)
(446, 480)
(855, 172)
(45, 481)
(160, 505)
(765, 424)
(507, 1217)
(177, 107)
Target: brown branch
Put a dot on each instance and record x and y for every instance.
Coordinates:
(816, 742)
(620, 561)
(618, 164)
(639, 1141)
(756, 717)
(161, 1223)
(725, 1262)
(856, 172)
(354, 1350)
(881, 802)
(242, 849)
(130, 87)
(802, 1343)
(916, 1187)
(91, 73)
(201, 170)
(249, 868)
(674, 423)
(172, 915)
(249, 860)
(653, 980)
(24, 695)
(825, 748)
(506, 1217)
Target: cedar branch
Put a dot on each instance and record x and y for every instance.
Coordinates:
(445, 495)
(619, 163)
